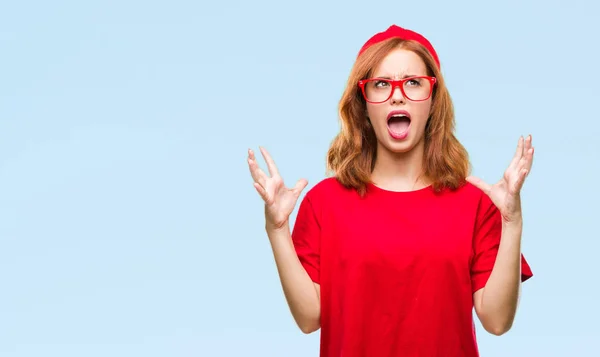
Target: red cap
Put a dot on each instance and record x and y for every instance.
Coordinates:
(397, 31)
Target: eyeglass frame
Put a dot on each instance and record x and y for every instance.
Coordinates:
(396, 83)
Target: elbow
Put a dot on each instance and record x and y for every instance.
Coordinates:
(309, 325)
(498, 331)
(497, 321)
(309, 328)
(498, 328)
(307, 316)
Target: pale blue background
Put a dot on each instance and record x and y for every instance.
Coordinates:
(128, 222)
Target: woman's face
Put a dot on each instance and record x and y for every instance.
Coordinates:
(399, 122)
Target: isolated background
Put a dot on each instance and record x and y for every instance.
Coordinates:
(128, 222)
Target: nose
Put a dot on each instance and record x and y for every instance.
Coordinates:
(397, 96)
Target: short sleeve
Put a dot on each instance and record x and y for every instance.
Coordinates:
(487, 234)
(306, 238)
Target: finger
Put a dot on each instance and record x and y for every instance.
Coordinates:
(251, 155)
(270, 163)
(257, 174)
(254, 168)
(518, 154)
(528, 142)
(300, 185)
(526, 145)
(261, 191)
(527, 160)
(520, 180)
(529, 153)
(479, 183)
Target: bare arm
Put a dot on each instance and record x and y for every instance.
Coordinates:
(496, 303)
(301, 293)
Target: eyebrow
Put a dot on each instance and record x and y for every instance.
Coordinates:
(403, 76)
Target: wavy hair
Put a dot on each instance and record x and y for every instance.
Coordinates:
(352, 154)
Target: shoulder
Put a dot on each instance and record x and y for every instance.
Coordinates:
(329, 187)
(328, 192)
(467, 204)
(468, 191)
(467, 196)
(320, 198)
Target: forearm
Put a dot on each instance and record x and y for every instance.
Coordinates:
(299, 289)
(499, 298)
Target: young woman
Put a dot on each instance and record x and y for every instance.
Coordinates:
(390, 255)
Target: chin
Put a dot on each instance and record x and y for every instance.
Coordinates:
(399, 148)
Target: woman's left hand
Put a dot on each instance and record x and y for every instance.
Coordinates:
(506, 193)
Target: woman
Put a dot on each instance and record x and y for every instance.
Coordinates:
(390, 255)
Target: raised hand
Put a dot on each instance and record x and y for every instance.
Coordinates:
(506, 193)
(279, 199)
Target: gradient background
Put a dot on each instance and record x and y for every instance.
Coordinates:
(128, 222)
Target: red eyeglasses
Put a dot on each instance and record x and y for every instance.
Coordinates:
(379, 90)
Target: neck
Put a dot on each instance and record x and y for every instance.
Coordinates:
(400, 171)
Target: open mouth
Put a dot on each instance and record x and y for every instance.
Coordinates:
(398, 124)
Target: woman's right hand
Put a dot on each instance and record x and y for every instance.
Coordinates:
(279, 199)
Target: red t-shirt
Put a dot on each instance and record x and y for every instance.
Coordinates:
(397, 270)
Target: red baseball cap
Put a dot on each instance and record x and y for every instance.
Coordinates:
(397, 31)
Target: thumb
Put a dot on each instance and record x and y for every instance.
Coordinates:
(300, 185)
(479, 183)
